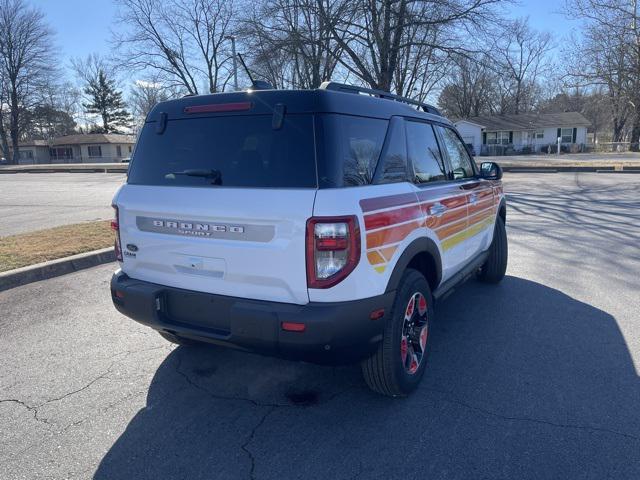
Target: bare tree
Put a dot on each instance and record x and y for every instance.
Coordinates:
(610, 58)
(469, 90)
(374, 35)
(144, 95)
(182, 42)
(291, 43)
(521, 54)
(25, 56)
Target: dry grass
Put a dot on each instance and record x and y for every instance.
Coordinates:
(29, 248)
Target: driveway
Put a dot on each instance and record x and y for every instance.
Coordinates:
(35, 201)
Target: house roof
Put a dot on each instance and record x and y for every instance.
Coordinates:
(530, 121)
(82, 139)
(460, 120)
(85, 138)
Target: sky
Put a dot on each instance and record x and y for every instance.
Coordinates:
(83, 27)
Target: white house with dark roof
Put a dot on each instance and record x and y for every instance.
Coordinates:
(524, 133)
(79, 148)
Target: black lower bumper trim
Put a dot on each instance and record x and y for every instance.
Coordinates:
(335, 333)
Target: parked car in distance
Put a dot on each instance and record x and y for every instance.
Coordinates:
(317, 225)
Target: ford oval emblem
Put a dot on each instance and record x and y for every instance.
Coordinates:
(131, 247)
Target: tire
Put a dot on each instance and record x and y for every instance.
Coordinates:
(186, 342)
(494, 268)
(388, 371)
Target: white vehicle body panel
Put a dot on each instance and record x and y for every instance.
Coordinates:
(264, 258)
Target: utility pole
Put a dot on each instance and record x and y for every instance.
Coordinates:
(235, 61)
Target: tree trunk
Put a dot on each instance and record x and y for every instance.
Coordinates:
(14, 128)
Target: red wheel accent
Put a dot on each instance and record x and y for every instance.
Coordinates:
(410, 307)
(415, 331)
(403, 350)
(423, 337)
(422, 305)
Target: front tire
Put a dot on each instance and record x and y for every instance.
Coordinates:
(399, 363)
(495, 266)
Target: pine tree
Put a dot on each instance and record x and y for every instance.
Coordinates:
(106, 101)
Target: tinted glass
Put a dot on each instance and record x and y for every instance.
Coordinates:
(423, 151)
(392, 167)
(237, 151)
(458, 155)
(350, 148)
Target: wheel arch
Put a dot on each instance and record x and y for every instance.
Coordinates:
(423, 255)
(502, 210)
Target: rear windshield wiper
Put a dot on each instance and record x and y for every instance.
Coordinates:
(214, 175)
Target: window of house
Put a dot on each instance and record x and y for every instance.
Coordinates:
(458, 156)
(118, 150)
(424, 153)
(26, 154)
(567, 135)
(130, 149)
(539, 134)
(61, 153)
(95, 151)
(497, 138)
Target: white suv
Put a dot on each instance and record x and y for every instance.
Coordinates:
(316, 225)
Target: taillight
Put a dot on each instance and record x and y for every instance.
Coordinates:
(333, 249)
(115, 226)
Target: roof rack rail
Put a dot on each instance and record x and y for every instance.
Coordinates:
(341, 87)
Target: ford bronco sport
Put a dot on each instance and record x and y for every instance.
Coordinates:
(316, 225)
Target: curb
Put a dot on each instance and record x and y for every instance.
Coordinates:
(9, 171)
(55, 268)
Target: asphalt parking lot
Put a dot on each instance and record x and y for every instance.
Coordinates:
(35, 201)
(535, 378)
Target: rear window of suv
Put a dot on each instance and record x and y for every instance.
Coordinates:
(228, 151)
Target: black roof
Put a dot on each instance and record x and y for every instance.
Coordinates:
(296, 101)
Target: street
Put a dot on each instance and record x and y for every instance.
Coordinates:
(35, 201)
(534, 378)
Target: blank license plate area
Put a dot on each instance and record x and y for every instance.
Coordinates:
(196, 309)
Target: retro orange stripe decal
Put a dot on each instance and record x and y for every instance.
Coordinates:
(391, 234)
(389, 220)
(385, 219)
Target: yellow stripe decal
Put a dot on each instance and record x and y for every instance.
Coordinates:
(454, 240)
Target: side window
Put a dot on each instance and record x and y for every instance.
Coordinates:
(350, 149)
(424, 153)
(458, 155)
(392, 167)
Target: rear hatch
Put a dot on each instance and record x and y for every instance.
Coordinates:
(217, 201)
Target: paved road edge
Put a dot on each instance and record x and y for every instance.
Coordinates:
(55, 268)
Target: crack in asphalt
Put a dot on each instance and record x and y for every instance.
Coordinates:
(271, 408)
(252, 434)
(461, 403)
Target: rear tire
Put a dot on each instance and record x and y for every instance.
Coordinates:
(391, 370)
(495, 266)
(186, 342)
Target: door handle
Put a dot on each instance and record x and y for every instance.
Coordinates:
(437, 209)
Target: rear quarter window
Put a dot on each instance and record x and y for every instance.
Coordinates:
(349, 147)
(245, 149)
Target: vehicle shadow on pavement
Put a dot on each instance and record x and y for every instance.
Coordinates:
(522, 380)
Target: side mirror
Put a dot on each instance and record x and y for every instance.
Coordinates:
(490, 171)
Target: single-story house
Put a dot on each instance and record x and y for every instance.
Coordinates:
(79, 148)
(524, 133)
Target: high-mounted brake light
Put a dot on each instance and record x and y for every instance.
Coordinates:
(115, 226)
(333, 249)
(219, 107)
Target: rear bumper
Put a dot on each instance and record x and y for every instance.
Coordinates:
(335, 333)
